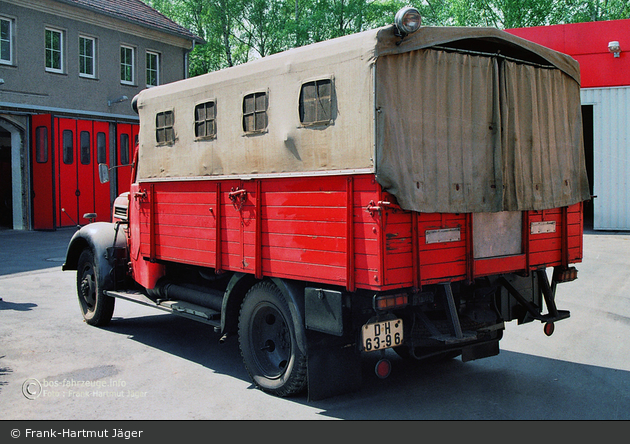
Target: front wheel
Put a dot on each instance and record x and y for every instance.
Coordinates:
(97, 308)
(267, 338)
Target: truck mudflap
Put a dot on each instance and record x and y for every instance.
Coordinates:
(333, 366)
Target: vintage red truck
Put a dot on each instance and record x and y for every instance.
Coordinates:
(409, 188)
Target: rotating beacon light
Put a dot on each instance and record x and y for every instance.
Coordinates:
(407, 21)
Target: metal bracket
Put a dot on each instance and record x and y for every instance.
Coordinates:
(140, 195)
(548, 291)
(377, 207)
(238, 197)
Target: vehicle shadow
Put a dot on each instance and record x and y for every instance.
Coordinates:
(510, 386)
(190, 340)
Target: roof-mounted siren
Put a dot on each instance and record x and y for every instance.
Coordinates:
(407, 21)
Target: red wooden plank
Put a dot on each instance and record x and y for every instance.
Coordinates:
(439, 272)
(303, 271)
(322, 199)
(303, 184)
(399, 277)
(278, 254)
(546, 258)
(505, 264)
(324, 214)
(322, 228)
(442, 256)
(367, 262)
(542, 245)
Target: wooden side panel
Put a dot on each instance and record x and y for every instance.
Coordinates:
(304, 229)
(545, 249)
(337, 230)
(575, 232)
(442, 261)
(367, 235)
(179, 216)
(290, 228)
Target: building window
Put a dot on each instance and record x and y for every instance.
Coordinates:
(54, 50)
(68, 147)
(87, 57)
(153, 69)
(124, 149)
(101, 148)
(205, 120)
(86, 156)
(164, 132)
(255, 112)
(316, 102)
(127, 73)
(41, 144)
(6, 41)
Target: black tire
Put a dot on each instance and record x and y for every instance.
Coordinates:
(267, 339)
(97, 309)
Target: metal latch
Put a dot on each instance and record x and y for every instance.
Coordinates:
(140, 195)
(238, 197)
(378, 207)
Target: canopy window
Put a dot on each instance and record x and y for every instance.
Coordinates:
(462, 132)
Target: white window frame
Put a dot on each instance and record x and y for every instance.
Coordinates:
(132, 65)
(61, 50)
(11, 58)
(157, 68)
(93, 57)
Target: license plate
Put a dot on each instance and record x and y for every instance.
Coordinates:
(381, 335)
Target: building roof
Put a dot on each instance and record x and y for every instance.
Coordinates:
(137, 12)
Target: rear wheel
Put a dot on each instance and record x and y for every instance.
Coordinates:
(97, 308)
(268, 342)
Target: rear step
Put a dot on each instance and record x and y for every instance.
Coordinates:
(180, 308)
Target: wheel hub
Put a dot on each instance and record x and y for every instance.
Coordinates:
(88, 290)
(274, 349)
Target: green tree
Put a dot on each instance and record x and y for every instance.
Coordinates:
(596, 10)
(237, 30)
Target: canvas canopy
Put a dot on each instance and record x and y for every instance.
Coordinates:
(497, 128)
(449, 120)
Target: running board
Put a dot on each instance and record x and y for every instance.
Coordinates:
(180, 308)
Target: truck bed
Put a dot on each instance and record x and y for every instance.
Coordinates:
(339, 230)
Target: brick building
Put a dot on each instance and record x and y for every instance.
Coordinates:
(68, 72)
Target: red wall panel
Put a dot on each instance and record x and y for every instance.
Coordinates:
(588, 44)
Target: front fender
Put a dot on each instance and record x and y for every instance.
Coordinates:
(106, 240)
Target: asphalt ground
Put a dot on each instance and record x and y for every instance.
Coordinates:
(160, 366)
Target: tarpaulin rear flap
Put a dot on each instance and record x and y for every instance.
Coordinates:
(466, 133)
(543, 158)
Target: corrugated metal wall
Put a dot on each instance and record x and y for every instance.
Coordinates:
(611, 156)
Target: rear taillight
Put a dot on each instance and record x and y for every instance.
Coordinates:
(564, 274)
(391, 301)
